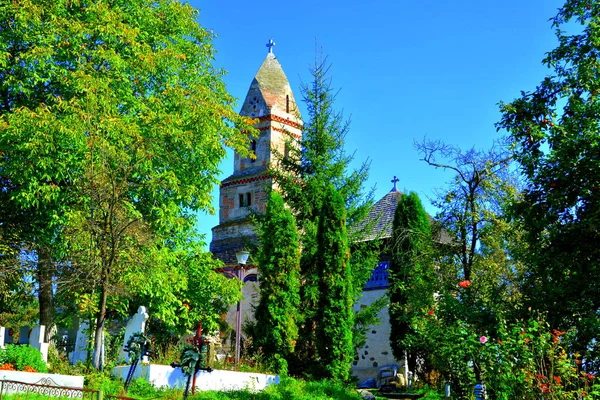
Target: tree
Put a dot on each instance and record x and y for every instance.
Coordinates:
(334, 310)
(316, 161)
(554, 137)
(112, 125)
(411, 277)
(279, 260)
(478, 276)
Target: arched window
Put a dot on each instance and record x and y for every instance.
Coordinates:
(253, 149)
(287, 103)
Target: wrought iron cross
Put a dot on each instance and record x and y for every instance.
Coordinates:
(395, 181)
(270, 45)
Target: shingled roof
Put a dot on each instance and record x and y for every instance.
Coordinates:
(378, 224)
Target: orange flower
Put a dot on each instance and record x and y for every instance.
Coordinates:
(27, 368)
(557, 379)
(464, 284)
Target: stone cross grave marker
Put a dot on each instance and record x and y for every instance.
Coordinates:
(136, 324)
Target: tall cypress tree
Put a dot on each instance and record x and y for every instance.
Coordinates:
(319, 160)
(279, 260)
(411, 275)
(335, 280)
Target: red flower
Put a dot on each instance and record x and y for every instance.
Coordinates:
(464, 284)
(431, 312)
(544, 387)
(557, 379)
(591, 376)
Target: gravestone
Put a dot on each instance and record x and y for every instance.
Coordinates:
(24, 335)
(2, 330)
(9, 336)
(80, 351)
(137, 324)
(36, 340)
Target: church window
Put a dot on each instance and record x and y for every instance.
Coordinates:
(287, 103)
(253, 149)
(245, 199)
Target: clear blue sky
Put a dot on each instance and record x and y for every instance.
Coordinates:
(405, 70)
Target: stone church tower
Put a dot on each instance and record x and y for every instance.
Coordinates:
(270, 100)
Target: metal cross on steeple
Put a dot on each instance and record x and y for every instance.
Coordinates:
(395, 181)
(270, 45)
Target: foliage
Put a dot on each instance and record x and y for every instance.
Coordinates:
(22, 357)
(411, 277)
(334, 311)
(137, 346)
(112, 126)
(478, 274)
(276, 329)
(313, 163)
(287, 389)
(554, 137)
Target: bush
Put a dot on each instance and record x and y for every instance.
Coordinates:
(21, 356)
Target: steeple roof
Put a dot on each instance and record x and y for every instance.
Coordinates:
(270, 92)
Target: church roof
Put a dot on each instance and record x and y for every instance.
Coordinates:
(381, 216)
(270, 92)
(378, 224)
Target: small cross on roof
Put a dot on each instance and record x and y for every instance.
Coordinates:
(270, 45)
(395, 181)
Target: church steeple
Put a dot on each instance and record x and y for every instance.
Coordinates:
(269, 99)
(271, 102)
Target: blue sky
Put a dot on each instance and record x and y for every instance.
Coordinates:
(405, 70)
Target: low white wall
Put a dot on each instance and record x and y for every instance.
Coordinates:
(42, 379)
(165, 375)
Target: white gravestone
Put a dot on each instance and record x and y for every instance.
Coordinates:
(24, 335)
(80, 352)
(136, 324)
(36, 339)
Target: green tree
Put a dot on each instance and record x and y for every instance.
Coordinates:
(411, 277)
(334, 310)
(318, 160)
(112, 126)
(279, 260)
(554, 137)
(477, 274)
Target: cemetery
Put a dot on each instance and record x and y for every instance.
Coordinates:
(119, 134)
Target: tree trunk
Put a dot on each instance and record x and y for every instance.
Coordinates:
(45, 295)
(99, 332)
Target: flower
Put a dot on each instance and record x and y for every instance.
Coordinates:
(431, 312)
(464, 284)
(557, 379)
(544, 387)
(591, 376)
(483, 339)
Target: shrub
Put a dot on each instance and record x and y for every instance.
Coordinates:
(21, 356)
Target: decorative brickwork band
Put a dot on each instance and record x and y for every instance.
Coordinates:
(245, 180)
(266, 128)
(276, 118)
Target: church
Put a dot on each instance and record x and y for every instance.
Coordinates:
(271, 101)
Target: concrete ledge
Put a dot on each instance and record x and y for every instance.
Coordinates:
(221, 380)
(42, 378)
